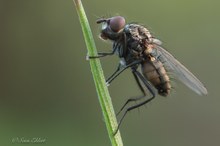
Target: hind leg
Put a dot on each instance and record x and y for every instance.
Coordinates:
(149, 87)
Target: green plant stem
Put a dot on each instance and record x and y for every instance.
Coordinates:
(98, 76)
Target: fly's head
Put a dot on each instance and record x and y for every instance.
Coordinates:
(112, 28)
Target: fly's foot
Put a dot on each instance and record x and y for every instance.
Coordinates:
(107, 84)
(87, 57)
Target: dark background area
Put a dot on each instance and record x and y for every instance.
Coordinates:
(46, 87)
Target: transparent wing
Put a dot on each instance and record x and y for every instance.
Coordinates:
(179, 71)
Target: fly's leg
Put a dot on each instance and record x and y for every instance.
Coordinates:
(124, 46)
(149, 87)
(116, 46)
(118, 68)
(134, 98)
(117, 73)
(100, 55)
(104, 54)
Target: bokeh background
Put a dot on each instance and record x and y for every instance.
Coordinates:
(47, 91)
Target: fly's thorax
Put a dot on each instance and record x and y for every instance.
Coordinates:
(138, 38)
(138, 32)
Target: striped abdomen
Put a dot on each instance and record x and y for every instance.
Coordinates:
(155, 72)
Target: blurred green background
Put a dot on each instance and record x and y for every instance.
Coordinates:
(46, 87)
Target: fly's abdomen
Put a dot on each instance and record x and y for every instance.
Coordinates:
(155, 72)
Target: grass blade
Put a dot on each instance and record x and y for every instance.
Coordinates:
(98, 76)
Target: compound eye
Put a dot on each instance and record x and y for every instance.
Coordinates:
(117, 23)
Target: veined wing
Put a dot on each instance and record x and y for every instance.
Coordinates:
(179, 70)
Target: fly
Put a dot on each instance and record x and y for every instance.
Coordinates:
(135, 46)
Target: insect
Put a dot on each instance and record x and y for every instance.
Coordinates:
(135, 46)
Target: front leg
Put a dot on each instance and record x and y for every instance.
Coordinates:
(104, 54)
(101, 55)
